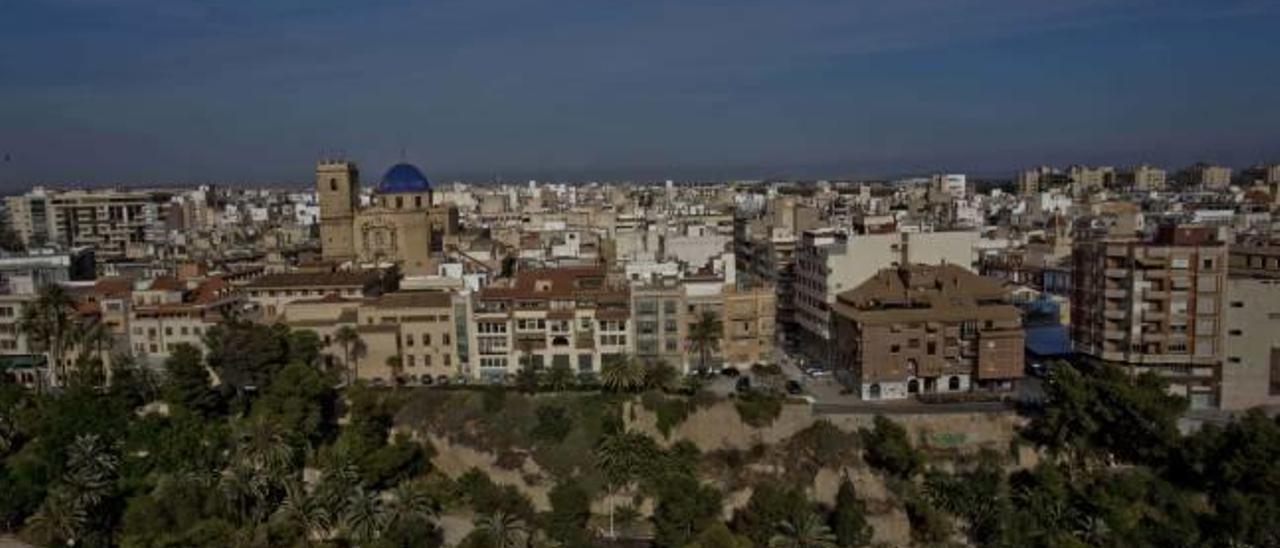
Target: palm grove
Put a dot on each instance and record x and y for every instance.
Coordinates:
(275, 454)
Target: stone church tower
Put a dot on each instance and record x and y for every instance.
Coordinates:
(338, 191)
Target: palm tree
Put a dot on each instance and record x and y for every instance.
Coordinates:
(806, 532)
(661, 376)
(305, 511)
(363, 518)
(47, 322)
(91, 470)
(622, 457)
(352, 346)
(409, 502)
(261, 446)
(558, 378)
(396, 364)
(99, 338)
(704, 337)
(623, 375)
(60, 518)
(504, 530)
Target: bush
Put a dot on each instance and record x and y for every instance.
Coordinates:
(758, 409)
(670, 410)
(554, 423)
(888, 449)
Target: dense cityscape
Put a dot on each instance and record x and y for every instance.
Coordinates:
(398, 362)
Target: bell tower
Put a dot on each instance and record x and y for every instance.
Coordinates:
(338, 190)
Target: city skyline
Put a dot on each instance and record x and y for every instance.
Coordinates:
(144, 92)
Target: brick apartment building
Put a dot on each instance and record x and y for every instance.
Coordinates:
(926, 330)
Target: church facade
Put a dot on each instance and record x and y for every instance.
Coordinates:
(401, 224)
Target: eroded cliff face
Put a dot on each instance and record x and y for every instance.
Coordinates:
(718, 429)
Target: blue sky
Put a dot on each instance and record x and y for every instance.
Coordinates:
(146, 91)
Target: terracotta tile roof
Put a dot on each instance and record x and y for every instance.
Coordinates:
(554, 283)
(316, 279)
(414, 299)
(166, 283)
(921, 293)
(113, 287)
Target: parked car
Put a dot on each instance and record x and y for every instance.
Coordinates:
(794, 388)
(816, 372)
(730, 372)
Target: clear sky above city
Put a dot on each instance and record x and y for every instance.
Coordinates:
(175, 91)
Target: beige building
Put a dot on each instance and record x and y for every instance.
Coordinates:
(1145, 177)
(922, 329)
(1208, 176)
(576, 317)
(1154, 305)
(272, 292)
(166, 312)
(1090, 179)
(1251, 374)
(406, 338)
(402, 225)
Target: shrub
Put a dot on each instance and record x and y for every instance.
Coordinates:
(888, 449)
(758, 409)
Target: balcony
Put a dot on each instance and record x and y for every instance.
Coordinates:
(1156, 294)
(1155, 274)
(1117, 273)
(1115, 314)
(1116, 293)
(1113, 335)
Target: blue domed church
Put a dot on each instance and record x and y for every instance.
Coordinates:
(402, 224)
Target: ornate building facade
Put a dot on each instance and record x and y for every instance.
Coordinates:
(402, 224)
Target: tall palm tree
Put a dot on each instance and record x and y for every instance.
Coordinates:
(363, 518)
(622, 457)
(704, 337)
(60, 518)
(91, 470)
(352, 346)
(806, 532)
(98, 339)
(48, 323)
(396, 364)
(305, 511)
(409, 502)
(504, 530)
(261, 446)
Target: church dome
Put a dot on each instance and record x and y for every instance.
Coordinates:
(403, 177)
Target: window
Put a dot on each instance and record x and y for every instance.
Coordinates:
(893, 349)
(408, 340)
(426, 360)
(168, 331)
(444, 339)
(913, 343)
(399, 202)
(417, 202)
(933, 348)
(333, 185)
(448, 359)
(1237, 304)
(1235, 332)
(410, 361)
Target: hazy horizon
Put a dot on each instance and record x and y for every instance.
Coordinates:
(145, 92)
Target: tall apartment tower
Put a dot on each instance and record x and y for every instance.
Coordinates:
(1154, 305)
(338, 190)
